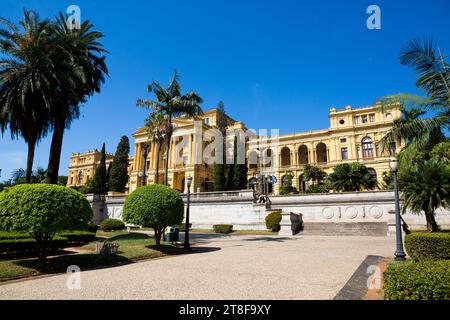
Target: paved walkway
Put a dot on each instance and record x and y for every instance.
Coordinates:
(224, 267)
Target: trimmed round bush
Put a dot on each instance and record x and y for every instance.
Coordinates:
(273, 220)
(426, 280)
(428, 246)
(112, 225)
(223, 228)
(41, 210)
(154, 206)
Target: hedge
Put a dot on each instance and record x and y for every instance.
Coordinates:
(273, 220)
(428, 246)
(426, 280)
(19, 243)
(5, 235)
(21, 246)
(112, 225)
(77, 237)
(223, 228)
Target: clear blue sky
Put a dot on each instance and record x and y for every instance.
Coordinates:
(275, 64)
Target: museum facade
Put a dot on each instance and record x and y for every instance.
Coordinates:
(352, 136)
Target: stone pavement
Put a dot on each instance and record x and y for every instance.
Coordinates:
(223, 267)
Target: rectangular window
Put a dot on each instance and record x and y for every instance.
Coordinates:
(343, 140)
(356, 120)
(344, 153)
(364, 119)
(372, 117)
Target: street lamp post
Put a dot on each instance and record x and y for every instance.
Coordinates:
(399, 253)
(267, 190)
(186, 231)
(145, 154)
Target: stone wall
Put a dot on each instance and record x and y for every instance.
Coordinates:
(364, 213)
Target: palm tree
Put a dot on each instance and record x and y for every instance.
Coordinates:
(81, 69)
(171, 103)
(352, 177)
(313, 173)
(434, 79)
(156, 125)
(426, 187)
(17, 175)
(26, 81)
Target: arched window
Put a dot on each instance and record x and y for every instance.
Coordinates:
(302, 183)
(267, 158)
(285, 157)
(321, 150)
(253, 160)
(373, 172)
(367, 148)
(303, 154)
(80, 177)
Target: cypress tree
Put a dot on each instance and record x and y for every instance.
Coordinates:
(118, 175)
(99, 181)
(232, 169)
(240, 171)
(220, 169)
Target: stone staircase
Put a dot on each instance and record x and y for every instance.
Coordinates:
(293, 224)
(344, 229)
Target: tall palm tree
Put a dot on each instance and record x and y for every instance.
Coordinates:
(172, 103)
(156, 125)
(27, 81)
(434, 79)
(81, 69)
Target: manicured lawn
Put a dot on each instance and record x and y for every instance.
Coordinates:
(133, 247)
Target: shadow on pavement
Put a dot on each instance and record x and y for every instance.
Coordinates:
(269, 239)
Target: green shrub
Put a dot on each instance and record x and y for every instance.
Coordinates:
(223, 228)
(273, 220)
(92, 227)
(77, 237)
(154, 206)
(318, 188)
(41, 210)
(428, 246)
(112, 225)
(427, 280)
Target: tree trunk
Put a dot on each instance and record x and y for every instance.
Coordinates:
(42, 247)
(30, 159)
(55, 151)
(158, 233)
(166, 161)
(158, 150)
(431, 222)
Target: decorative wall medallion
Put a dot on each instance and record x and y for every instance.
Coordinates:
(351, 212)
(328, 213)
(118, 213)
(376, 212)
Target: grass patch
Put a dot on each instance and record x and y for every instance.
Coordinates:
(133, 247)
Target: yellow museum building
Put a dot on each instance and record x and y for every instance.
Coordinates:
(353, 136)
